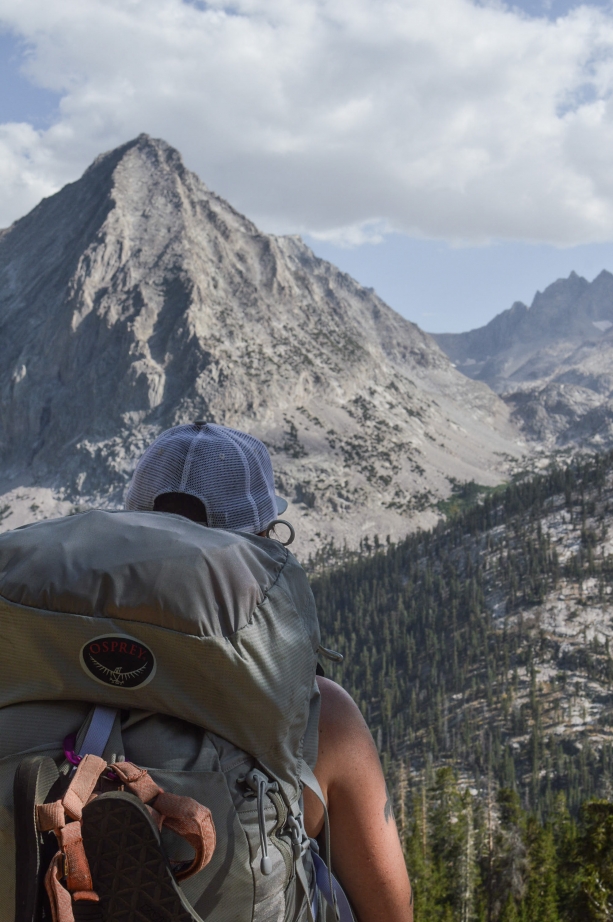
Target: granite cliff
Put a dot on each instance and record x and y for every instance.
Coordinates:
(136, 298)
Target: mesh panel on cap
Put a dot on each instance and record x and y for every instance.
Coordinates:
(228, 470)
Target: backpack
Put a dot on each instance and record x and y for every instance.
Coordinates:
(189, 652)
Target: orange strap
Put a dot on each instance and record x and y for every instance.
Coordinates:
(137, 781)
(50, 816)
(78, 875)
(183, 815)
(59, 897)
(193, 822)
(82, 785)
(155, 816)
(71, 861)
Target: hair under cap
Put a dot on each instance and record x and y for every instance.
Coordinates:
(229, 471)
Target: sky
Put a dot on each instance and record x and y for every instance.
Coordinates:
(455, 155)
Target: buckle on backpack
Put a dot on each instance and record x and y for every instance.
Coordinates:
(300, 841)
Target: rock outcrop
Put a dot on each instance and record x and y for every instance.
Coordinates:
(135, 298)
(552, 362)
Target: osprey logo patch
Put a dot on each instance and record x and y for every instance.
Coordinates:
(118, 661)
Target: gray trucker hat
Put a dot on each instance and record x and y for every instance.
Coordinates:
(229, 471)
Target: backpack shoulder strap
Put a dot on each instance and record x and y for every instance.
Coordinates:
(331, 890)
(99, 731)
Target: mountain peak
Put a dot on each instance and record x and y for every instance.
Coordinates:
(143, 155)
(140, 175)
(126, 177)
(135, 299)
(552, 362)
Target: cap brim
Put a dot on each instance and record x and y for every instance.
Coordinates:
(281, 504)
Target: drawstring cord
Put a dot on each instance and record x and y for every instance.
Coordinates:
(261, 785)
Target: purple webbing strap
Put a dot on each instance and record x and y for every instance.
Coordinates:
(99, 731)
(323, 884)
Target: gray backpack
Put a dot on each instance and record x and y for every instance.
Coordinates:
(148, 639)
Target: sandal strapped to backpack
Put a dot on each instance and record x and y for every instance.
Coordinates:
(80, 821)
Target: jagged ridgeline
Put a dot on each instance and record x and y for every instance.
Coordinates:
(483, 644)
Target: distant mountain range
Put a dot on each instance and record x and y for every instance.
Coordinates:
(552, 362)
(136, 298)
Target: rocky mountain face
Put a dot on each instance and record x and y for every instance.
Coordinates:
(552, 362)
(135, 299)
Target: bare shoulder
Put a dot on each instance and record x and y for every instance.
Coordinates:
(344, 738)
(337, 705)
(344, 745)
(366, 850)
(341, 721)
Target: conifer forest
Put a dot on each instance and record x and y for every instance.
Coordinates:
(479, 653)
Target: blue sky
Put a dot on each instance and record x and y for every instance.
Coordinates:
(455, 160)
(553, 8)
(446, 289)
(20, 99)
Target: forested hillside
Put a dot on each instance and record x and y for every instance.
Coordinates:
(479, 653)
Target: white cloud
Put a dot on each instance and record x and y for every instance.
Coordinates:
(343, 118)
(25, 173)
(354, 235)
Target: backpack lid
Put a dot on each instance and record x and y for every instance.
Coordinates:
(153, 567)
(153, 611)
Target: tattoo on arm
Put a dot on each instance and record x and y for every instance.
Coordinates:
(388, 810)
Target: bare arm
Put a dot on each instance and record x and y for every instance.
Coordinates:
(366, 851)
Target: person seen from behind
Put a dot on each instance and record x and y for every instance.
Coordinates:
(223, 478)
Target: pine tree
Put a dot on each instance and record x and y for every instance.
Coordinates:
(510, 863)
(593, 865)
(541, 902)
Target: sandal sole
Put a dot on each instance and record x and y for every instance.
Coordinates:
(130, 871)
(34, 778)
